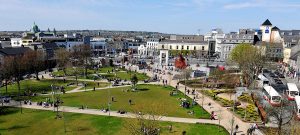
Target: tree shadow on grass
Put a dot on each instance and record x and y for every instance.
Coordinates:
(78, 129)
(142, 89)
(8, 110)
(15, 127)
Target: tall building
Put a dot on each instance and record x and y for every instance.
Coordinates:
(266, 28)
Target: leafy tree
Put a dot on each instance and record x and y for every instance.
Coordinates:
(111, 62)
(250, 60)
(134, 81)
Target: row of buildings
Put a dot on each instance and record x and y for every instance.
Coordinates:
(278, 44)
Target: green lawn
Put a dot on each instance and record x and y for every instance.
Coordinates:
(37, 86)
(121, 73)
(36, 122)
(70, 72)
(147, 97)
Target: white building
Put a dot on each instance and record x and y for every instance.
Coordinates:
(142, 51)
(216, 35)
(99, 46)
(16, 42)
(149, 48)
(173, 45)
(69, 44)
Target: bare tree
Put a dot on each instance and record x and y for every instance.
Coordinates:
(5, 73)
(34, 62)
(62, 57)
(83, 54)
(146, 121)
(80, 57)
(280, 115)
(15, 64)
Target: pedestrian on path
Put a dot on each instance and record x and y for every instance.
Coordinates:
(130, 102)
(94, 88)
(170, 128)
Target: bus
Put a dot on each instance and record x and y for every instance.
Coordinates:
(292, 91)
(262, 80)
(297, 99)
(271, 95)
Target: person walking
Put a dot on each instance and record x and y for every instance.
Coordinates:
(170, 128)
(130, 102)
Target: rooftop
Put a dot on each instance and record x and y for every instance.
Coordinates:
(267, 22)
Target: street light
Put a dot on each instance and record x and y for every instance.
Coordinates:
(108, 103)
(52, 96)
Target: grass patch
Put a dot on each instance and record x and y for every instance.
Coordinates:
(36, 122)
(36, 86)
(104, 71)
(146, 95)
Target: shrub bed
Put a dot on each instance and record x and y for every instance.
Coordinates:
(213, 93)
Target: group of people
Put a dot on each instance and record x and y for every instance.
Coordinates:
(185, 103)
(27, 102)
(188, 91)
(5, 100)
(150, 131)
(252, 128)
(165, 82)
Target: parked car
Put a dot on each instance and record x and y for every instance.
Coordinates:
(280, 75)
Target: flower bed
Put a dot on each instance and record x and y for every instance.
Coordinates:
(245, 97)
(250, 112)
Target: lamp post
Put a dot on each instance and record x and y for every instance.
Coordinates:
(52, 96)
(108, 103)
(232, 121)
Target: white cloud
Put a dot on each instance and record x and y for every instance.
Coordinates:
(266, 4)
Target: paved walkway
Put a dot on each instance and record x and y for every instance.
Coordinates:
(225, 115)
(112, 113)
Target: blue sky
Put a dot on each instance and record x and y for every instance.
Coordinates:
(169, 16)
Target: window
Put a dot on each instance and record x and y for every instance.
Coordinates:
(229, 48)
(194, 47)
(170, 47)
(187, 47)
(163, 46)
(202, 47)
(182, 47)
(177, 47)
